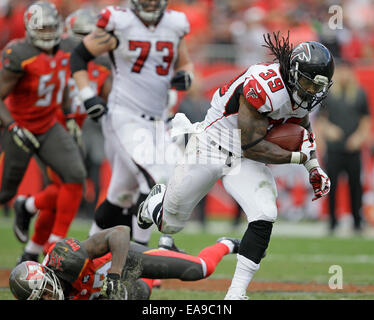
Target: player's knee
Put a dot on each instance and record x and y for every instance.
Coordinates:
(76, 174)
(168, 228)
(192, 273)
(256, 240)
(270, 212)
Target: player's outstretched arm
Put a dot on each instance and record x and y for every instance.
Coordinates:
(96, 43)
(184, 69)
(253, 126)
(115, 240)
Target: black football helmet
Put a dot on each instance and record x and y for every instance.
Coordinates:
(31, 280)
(150, 11)
(310, 74)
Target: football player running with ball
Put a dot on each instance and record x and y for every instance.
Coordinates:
(149, 56)
(231, 138)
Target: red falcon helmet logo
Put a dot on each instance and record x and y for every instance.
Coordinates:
(302, 51)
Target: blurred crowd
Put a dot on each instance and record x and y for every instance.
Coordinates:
(231, 31)
(235, 27)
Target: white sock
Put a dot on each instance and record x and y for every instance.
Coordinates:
(229, 244)
(245, 269)
(34, 248)
(94, 229)
(30, 205)
(53, 238)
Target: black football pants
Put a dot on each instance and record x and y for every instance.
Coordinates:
(350, 163)
(58, 150)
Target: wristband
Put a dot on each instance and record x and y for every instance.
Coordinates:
(11, 125)
(296, 157)
(86, 93)
(313, 163)
(114, 276)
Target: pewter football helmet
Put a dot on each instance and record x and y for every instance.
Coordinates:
(43, 24)
(30, 280)
(80, 23)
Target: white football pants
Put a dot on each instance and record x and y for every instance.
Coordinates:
(140, 152)
(249, 182)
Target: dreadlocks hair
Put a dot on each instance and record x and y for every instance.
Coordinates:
(281, 49)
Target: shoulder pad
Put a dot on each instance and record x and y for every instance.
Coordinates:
(110, 16)
(178, 21)
(264, 88)
(67, 259)
(255, 94)
(16, 53)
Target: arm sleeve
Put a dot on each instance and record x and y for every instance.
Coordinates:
(255, 94)
(185, 28)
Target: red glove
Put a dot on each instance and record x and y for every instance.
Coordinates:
(320, 182)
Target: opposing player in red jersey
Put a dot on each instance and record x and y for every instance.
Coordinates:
(33, 87)
(107, 265)
(47, 225)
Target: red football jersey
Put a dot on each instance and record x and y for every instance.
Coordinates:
(90, 280)
(39, 92)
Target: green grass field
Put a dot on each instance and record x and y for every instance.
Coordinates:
(290, 259)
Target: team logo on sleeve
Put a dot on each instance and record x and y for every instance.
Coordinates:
(302, 51)
(251, 93)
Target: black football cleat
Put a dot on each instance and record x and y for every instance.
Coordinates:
(22, 220)
(141, 223)
(235, 241)
(167, 242)
(26, 256)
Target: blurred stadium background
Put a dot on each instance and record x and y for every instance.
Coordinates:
(226, 37)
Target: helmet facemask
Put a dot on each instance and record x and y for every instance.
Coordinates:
(31, 280)
(44, 25)
(148, 12)
(307, 93)
(48, 286)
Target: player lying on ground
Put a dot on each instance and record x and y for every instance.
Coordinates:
(108, 266)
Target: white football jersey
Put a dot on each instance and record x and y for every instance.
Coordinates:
(263, 87)
(143, 62)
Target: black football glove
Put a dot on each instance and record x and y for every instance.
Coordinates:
(23, 138)
(95, 107)
(181, 81)
(113, 287)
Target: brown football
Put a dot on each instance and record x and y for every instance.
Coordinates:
(288, 136)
